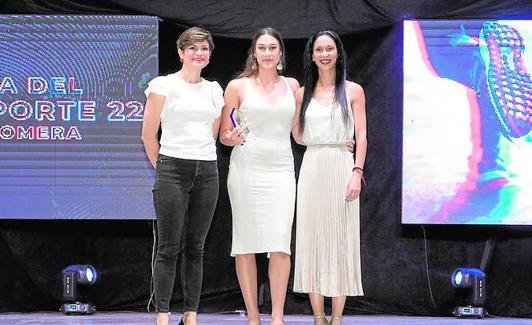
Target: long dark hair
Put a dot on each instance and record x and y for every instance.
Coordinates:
(311, 78)
(252, 67)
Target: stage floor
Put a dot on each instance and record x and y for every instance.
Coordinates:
(135, 318)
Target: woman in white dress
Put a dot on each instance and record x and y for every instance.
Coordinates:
(261, 180)
(330, 110)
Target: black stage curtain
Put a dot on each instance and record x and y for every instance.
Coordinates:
(406, 269)
(295, 19)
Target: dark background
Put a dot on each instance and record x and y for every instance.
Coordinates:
(406, 269)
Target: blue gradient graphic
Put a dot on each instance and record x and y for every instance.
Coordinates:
(95, 69)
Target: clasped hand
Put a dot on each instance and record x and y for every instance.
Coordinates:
(238, 136)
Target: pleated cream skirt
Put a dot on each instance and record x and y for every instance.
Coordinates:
(327, 258)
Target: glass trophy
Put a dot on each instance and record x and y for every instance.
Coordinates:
(237, 119)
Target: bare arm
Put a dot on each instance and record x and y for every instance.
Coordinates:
(150, 126)
(216, 127)
(294, 84)
(218, 100)
(358, 105)
(230, 136)
(298, 137)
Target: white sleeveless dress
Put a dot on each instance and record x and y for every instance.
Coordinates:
(327, 259)
(261, 180)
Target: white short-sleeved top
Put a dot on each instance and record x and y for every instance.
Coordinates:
(188, 114)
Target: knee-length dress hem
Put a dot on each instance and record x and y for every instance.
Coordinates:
(261, 179)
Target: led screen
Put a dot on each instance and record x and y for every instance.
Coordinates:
(467, 120)
(71, 109)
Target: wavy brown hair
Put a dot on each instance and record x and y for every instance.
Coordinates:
(252, 67)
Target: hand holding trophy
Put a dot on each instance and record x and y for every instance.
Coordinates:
(240, 130)
(237, 119)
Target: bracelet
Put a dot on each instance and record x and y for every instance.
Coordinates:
(358, 170)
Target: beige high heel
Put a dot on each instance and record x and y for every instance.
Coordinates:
(320, 320)
(336, 320)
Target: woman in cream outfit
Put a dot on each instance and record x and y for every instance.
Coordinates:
(330, 110)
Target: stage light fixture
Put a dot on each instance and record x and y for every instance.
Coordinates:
(75, 278)
(470, 284)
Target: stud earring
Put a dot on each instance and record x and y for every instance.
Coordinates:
(279, 66)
